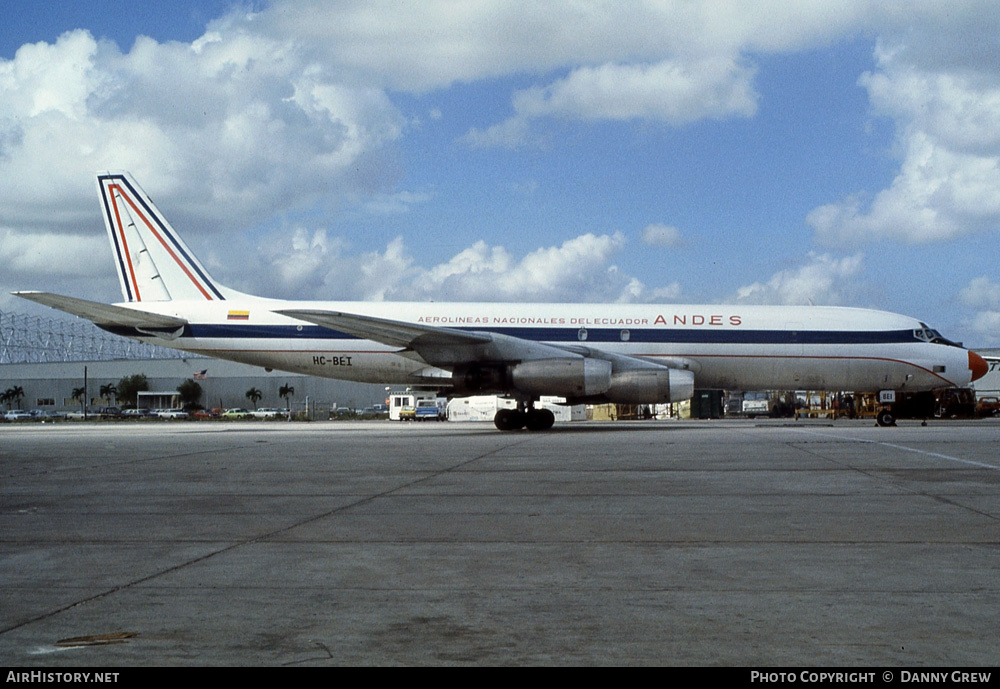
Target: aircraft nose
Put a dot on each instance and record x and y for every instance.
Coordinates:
(978, 366)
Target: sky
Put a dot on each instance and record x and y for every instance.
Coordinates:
(836, 152)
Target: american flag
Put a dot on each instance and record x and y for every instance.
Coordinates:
(201, 375)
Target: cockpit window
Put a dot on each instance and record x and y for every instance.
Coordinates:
(925, 334)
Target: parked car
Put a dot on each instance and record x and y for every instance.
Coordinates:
(48, 415)
(17, 415)
(430, 410)
(205, 414)
(135, 413)
(267, 413)
(172, 414)
(236, 413)
(110, 412)
(988, 406)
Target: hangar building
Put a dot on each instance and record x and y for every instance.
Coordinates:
(47, 358)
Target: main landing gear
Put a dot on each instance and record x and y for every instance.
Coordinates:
(525, 416)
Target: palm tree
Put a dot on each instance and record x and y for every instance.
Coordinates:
(15, 394)
(5, 397)
(79, 394)
(287, 391)
(109, 391)
(254, 395)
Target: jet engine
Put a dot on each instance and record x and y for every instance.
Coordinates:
(578, 377)
(650, 386)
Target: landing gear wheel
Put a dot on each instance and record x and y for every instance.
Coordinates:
(509, 419)
(885, 418)
(539, 419)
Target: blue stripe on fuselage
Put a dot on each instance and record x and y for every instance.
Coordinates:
(564, 335)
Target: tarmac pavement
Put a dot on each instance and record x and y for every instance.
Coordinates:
(806, 543)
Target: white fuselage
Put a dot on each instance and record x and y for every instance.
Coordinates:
(726, 347)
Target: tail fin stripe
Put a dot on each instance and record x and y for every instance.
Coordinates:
(188, 261)
(124, 243)
(168, 269)
(182, 264)
(131, 289)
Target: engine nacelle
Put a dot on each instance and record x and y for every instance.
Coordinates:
(578, 377)
(650, 386)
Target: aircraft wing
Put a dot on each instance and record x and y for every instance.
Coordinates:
(449, 347)
(104, 314)
(386, 331)
(442, 347)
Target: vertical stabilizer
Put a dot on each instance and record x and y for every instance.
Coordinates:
(153, 262)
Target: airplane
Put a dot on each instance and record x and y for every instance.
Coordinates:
(586, 353)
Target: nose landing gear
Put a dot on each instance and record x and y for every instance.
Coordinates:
(885, 417)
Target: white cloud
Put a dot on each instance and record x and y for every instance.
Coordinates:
(54, 262)
(312, 266)
(981, 293)
(986, 325)
(671, 62)
(982, 296)
(305, 263)
(636, 291)
(435, 43)
(393, 204)
(824, 279)
(939, 194)
(272, 110)
(59, 255)
(577, 269)
(269, 110)
(946, 108)
(658, 234)
(512, 133)
(674, 92)
(225, 129)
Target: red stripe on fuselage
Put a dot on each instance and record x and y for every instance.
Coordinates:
(804, 356)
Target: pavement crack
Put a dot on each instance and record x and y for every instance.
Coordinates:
(260, 537)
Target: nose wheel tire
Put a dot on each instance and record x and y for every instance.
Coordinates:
(885, 418)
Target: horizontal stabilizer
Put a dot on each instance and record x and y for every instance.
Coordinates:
(103, 314)
(392, 333)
